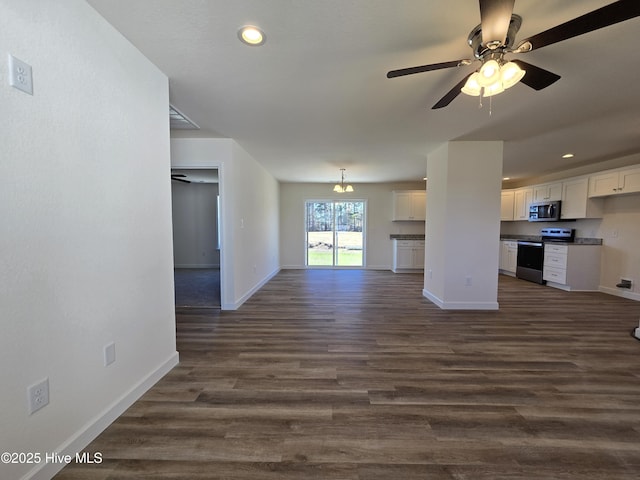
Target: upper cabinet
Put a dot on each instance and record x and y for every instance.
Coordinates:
(547, 192)
(410, 205)
(616, 182)
(575, 203)
(522, 199)
(506, 205)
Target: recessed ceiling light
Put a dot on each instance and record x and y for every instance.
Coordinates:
(567, 155)
(506, 178)
(252, 35)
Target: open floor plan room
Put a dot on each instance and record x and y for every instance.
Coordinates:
(353, 375)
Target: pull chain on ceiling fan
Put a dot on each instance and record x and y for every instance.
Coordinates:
(495, 37)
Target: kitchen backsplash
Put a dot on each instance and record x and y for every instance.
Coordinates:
(588, 228)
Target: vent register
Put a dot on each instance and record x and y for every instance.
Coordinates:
(179, 121)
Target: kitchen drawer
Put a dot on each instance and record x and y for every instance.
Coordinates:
(552, 274)
(557, 260)
(551, 248)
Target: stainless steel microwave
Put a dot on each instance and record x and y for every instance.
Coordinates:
(544, 211)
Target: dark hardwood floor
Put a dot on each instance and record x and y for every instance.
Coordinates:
(353, 375)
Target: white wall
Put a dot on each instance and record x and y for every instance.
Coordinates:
(195, 225)
(461, 251)
(249, 215)
(85, 230)
(378, 248)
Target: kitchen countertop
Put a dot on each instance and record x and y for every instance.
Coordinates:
(406, 236)
(538, 238)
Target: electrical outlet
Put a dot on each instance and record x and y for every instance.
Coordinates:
(38, 396)
(109, 354)
(20, 76)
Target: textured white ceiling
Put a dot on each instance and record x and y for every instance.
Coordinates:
(315, 97)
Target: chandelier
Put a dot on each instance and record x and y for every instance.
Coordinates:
(495, 76)
(341, 187)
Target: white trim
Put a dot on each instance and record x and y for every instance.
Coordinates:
(83, 437)
(620, 293)
(321, 267)
(246, 296)
(460, 305)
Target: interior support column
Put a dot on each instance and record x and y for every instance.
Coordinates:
(463, 225)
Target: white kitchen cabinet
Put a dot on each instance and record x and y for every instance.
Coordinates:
(506, 205)
(572, 267)
(508, 256)
(576, 202)
(522, 199)
(410, 205)
(615, 182)
(547, 192)
(408, 256)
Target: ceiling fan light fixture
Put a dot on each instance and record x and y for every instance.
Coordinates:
(472, 87)
(489, 73)
(493, 89)
(510, 74)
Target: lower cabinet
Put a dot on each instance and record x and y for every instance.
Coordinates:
(572, 267)
(508, 257)
(408, 256)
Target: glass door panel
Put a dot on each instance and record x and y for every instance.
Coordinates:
(320, 233)
(349, 235)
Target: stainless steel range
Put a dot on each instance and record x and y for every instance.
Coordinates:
(531, 253)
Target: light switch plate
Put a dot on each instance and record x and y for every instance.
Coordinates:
(109, 354)
(20, 75)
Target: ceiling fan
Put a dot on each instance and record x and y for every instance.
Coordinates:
(495, 37)
(179, 177)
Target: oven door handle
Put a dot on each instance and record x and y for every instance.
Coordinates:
(531, 244)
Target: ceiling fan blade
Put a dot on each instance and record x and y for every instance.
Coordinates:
(453, 93)
(424, 68)
(536, 77)
(178, 175)
(179, 179)
(602, 17)
(496, 16)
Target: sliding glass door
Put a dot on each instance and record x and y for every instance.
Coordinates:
(335, 233)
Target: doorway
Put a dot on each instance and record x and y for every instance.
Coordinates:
(335, 233)
(195, 198)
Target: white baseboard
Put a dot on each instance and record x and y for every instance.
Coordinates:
(460, 305)
(98, 424)
(319, 267)
(237, 304)
(620, 293)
